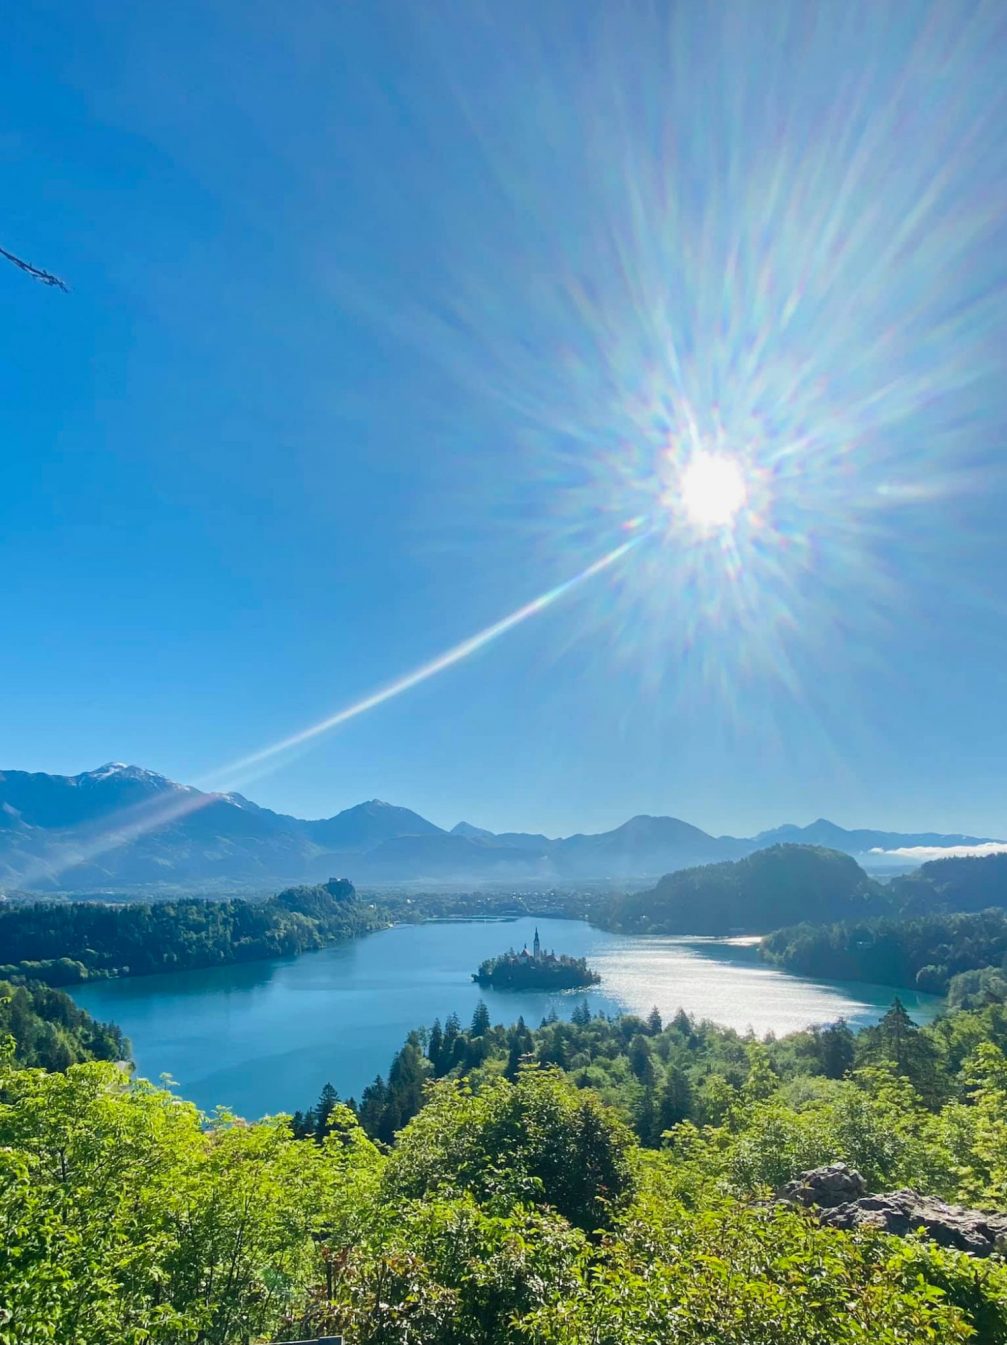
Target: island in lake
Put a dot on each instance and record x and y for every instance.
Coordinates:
(535, 970)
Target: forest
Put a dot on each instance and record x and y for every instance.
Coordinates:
(42, 1026)
(579, 1182)
(959, 883)
(787, 884)
(570, 1184)
(770, 888)
(63, 944)
(925, 951)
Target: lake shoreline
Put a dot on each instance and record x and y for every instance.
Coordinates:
(262, 1036)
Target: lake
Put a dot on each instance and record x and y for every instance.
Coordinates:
(265, 1036)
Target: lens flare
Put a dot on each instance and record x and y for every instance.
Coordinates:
(440, 664)
(132, 823)
(711, 491)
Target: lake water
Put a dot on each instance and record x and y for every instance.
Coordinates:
(265, 1036)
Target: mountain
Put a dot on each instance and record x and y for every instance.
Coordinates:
(367, 825)
(824, 832)
(643, 845)
(59, 801)
(122, 826)
(472, 833)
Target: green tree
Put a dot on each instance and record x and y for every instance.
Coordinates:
(435, 1046)
(480, 1020)
(675, 1103)
(835, 1045)
(537, 1139)
(323, 1109)
(897, 1040)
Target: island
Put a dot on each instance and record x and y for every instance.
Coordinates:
(535, 970)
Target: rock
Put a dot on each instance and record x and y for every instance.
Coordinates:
(840, 1195)
(836, 1184)
(904, 1212)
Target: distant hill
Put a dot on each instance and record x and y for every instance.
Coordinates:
(953, 884)
(123, 827)
(857, 842)
(778, 886)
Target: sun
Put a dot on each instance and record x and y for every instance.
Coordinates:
(711, 490)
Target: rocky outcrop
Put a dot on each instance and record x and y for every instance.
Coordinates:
(839, 1193)
(903, 1212)
(825, 1187)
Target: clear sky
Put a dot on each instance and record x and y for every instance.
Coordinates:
(385, 319)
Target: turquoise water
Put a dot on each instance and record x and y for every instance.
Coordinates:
(265, 1036)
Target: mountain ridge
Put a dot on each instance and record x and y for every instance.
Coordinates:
(122, 825)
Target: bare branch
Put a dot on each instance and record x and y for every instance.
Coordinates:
(46, 277)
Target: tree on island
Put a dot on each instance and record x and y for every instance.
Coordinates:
(535, 970)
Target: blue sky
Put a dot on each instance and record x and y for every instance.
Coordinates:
(386, 319)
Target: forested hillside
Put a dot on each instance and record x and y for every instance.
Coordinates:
(969, 883)
(62, 944)
(925, 951)
(43, 1026)
(768, 889)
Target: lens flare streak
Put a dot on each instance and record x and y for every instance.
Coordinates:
(425, 671)
(147, 817)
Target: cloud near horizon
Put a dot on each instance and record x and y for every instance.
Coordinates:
(922, 853)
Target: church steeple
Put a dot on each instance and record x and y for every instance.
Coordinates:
(537, 945)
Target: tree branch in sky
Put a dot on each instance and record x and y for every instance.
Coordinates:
(46, 277)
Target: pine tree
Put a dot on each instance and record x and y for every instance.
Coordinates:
(898, 1040)
(435, 1046)
(654, 1023)
(323, 1109)
(406, 1078)
(452, 1031)
(639, 1058)
(645, 1116)
(480, 1020)
(675, 1103)
(514, 1055)
(373, 1103)
(682, 1024)
(835, 1044)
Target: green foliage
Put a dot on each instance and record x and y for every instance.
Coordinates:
(770, 888)
(125, 1220)
(739, 1276)
(925, 951)
(507, 1212)
(538, 1139)
(70, 942)
(973, 989)
(447, 1272)
(47, 1029)
(959, 883)
(519, 971)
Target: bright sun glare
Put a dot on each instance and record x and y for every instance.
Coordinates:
(712, 490)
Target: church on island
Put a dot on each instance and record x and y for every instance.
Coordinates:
(535, 970)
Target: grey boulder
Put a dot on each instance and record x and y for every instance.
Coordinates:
(839, 1194)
